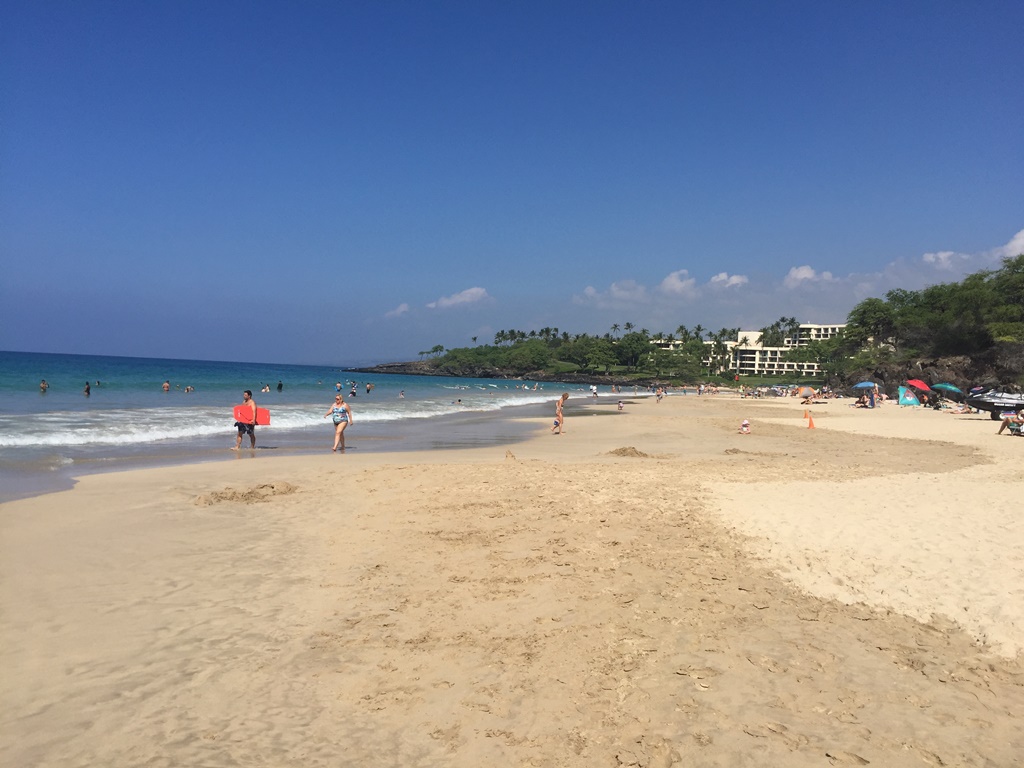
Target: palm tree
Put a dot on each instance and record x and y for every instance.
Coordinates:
(698, 332)
(628, 327)
(615, 328)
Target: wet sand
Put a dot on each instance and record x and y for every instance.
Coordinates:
(650, 588)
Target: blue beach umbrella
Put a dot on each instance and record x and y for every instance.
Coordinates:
(950, 391)
(865, 385)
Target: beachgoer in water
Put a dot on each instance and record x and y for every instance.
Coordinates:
(280, 385)
(342, 416)
(247, 427)
(166, 386)
(43, 386)
(86, 391)
(559, 417)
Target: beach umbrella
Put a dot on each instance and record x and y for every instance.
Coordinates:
(954, 393)
(918, 384)
(865, 385)
(806, 392)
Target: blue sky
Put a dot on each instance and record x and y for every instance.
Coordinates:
(332, 182)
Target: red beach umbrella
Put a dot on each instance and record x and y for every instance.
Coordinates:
(918, 384)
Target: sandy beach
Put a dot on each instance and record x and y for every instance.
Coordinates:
(650, 588)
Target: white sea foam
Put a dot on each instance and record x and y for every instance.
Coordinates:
(137, 426)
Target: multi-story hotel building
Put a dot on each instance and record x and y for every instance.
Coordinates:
(747, 357)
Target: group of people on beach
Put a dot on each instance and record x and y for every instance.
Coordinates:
(340, 413)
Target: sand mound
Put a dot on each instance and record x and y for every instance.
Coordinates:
(252, 495)
(630, 452)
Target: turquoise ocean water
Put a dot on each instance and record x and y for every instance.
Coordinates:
(127, 420)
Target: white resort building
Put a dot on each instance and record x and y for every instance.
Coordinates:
(747, 357)
(753, 359)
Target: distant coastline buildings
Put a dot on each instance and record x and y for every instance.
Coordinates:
(747, 356)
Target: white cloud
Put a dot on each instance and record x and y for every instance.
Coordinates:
(1013, 248)
(803, 292)
(398, 311)
(619, 295)
(468, 296)
(959, 265)
(797, 276)
(944, 260)
(679, 283)
(627, 290)
(725, 280)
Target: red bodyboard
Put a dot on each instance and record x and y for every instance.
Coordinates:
(243, 413)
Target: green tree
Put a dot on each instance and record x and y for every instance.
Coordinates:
(632, 348)
(601, 355)
(527, 356)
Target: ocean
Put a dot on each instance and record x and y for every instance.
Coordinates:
(127, 420)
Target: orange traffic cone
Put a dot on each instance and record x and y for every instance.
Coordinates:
(810, 422)
(806, 414)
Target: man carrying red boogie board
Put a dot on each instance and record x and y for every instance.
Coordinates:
(246, 421)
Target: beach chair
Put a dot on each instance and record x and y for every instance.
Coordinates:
(1015, 428)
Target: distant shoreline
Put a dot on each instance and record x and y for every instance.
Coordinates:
(419, 368)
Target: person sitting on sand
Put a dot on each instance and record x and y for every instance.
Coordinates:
(1017, 418)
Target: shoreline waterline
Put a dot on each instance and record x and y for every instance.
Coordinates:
(453, 431)
(143, 412)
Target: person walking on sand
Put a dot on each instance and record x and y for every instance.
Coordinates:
(559, 417)
(342, 416)
(247, 427)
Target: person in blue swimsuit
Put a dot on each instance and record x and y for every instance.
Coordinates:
(342, 416)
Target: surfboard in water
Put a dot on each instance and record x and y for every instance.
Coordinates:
(243, 413)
